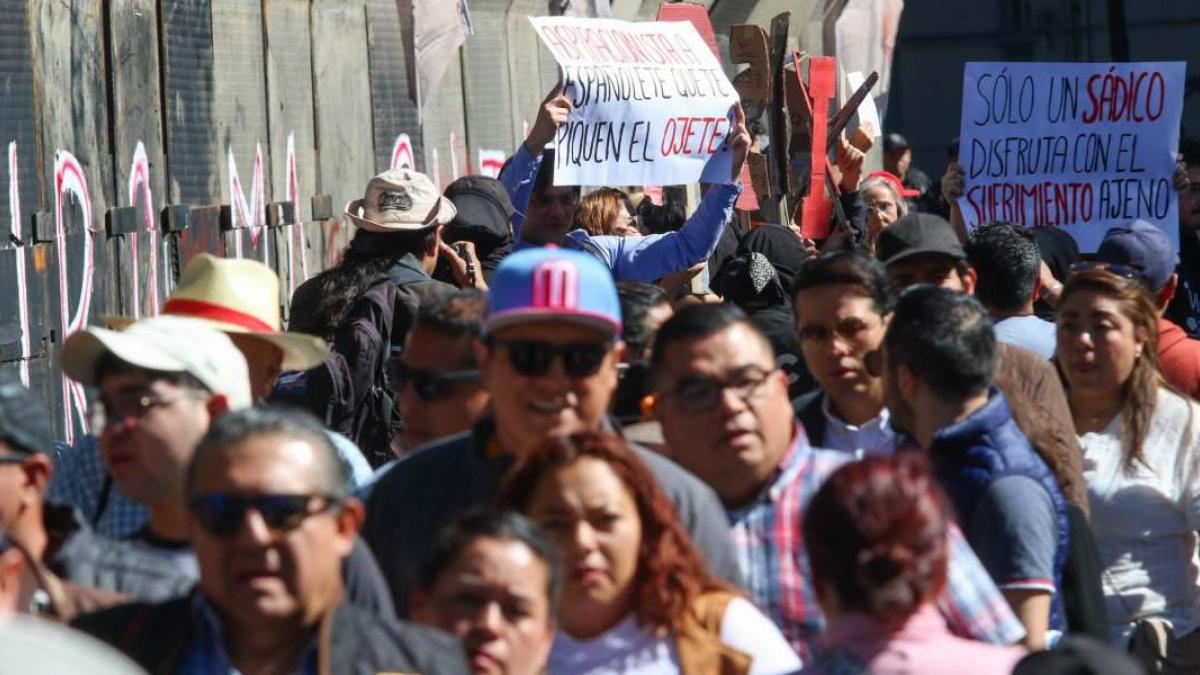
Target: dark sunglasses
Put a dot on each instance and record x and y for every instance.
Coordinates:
(533, 359)
(222, 513)
(430, 385)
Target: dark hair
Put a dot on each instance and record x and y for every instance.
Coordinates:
(952, 150)
(670, 573)
(637, 299)
(894, 142)
(364, 264)
(545, 176)
(458, 315)
(1007, 260)
(848, 267)
(238, 427)
(110, 364)
(502, 525)
(699, 321)
(876, 533)
(1189, 148)
(944, 337)
(666, 218)
(1140, 391)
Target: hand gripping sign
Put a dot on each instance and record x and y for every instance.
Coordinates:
(1080, 146)
(650, 103)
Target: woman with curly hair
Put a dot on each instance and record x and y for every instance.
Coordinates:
(637, 597)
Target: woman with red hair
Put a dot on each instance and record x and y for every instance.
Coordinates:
(637, 598)
(876, 540)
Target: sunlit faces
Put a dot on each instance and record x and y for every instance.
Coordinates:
(146, 448)
(838, 326)
(1097, 345)
(493, 597)
(882, 208)
(937, 269)
(260, 574)
(592, 517)
(531, 408)
(735, 443)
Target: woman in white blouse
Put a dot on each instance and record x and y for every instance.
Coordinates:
(637, 598)
(1141, 446)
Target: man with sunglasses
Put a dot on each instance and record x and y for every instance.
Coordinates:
(437, 383)
(548, 359)
(725, 413)
(268, 511)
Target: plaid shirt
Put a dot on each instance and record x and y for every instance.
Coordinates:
(768, 536)
(78, 480)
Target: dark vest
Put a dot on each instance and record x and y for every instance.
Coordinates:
(971, 455)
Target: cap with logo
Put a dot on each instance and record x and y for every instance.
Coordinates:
(547, 283)
(24, 424)
(400, 200)
(915, 234)
(242, 296)
(165, 343)
(1142, 246)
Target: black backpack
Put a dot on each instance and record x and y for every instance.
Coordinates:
(351, 391)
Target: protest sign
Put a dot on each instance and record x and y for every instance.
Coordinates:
(651, 104)
(1080, 146)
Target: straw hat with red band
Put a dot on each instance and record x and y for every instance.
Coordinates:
(242, 297)
(896, 183)
(400, 200)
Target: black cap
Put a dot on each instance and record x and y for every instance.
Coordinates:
(894, 142)
(483, 209)
(24, 421)
(915, 234)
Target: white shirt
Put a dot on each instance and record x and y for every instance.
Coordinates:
(630, 650)
(1145, 521)
(873, 438)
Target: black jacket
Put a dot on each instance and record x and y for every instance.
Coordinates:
(357, 642)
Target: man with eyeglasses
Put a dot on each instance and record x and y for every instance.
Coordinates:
(437, 383)
(548, 359)
(726, 416)
(161, 382)
(72, 568)
(842, 303)
(268, 511)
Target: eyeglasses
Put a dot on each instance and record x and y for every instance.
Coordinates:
(102, 413)
(12, 459)
(696, 393)
(847, 329)
(533, 359)
(430, 385)
(222, 513)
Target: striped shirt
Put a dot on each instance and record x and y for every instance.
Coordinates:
(768, 536)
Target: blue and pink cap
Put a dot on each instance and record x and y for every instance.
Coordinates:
(553, 284)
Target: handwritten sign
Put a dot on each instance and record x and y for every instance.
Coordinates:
(1080, 146)
(652, 105)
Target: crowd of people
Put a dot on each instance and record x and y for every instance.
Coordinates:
(512, 431)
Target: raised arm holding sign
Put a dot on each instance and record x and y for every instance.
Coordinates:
(648, 103)
(1081, 146)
